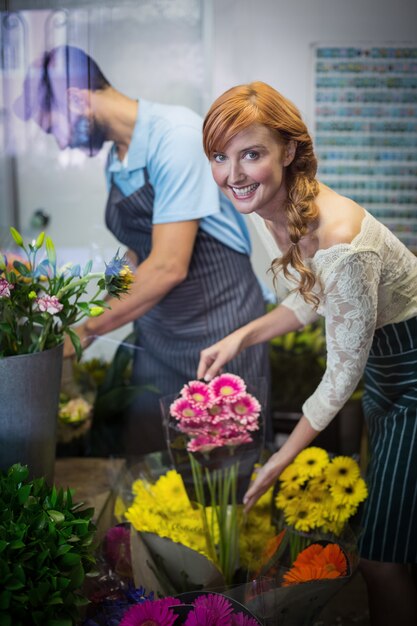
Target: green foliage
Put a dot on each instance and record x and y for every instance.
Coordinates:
(46, 547)
(298, 362)
(40, 302)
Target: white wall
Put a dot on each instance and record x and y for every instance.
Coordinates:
(270, 40)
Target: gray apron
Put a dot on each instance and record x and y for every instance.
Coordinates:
(220, 294)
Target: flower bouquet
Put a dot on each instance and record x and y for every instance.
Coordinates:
(315, 550)
(215, 436)
(136, 607)
(39, 302)
(317, 496)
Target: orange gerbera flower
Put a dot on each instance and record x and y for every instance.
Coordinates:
(317, 562)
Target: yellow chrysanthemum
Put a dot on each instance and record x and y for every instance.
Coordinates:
(302, 516)
(169, 490)
(291, 478)
(311, 461)
(350, 494)
(343, 470)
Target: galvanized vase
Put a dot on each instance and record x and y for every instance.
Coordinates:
(29, 400)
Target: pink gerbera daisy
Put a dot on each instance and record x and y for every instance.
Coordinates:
(210, 610)
(218, 413)
(227, 387)
(151, 613)
(182, 408)
(205, 443)
(199, 393)
(246, 406)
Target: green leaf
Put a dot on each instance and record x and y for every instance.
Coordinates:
(5, 600)
(21, 268)
(70, 559)
(23, 493)
(75, 340)
(56, 516)
(14, 584)
(18, 473)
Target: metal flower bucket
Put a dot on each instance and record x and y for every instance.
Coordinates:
(29, 391)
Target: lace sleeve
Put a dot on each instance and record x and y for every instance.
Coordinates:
(350, 308)
(301, 309)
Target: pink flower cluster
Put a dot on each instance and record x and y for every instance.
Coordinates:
(216, 414)
(206, 610)
(49, 304)
(5, 288)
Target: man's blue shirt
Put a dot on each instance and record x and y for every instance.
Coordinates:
(167, 141)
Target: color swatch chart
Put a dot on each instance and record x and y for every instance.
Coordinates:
(366, 130)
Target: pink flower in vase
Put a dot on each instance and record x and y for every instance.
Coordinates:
(198, 393)
(205, 443)
(151, 613)
(227, 387)
(210, 610)
(219, 413)
(49, 304)
(183, 409)
(5, 288)
(246, 410)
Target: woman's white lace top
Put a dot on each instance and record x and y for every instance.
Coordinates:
(365, 284)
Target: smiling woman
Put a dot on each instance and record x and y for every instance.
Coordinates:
(344, 265)
(250, 169)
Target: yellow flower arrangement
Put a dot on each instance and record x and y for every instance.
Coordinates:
(317, 493)
(163, 508)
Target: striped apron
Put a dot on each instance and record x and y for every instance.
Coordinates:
(390, 406)
(220, 294)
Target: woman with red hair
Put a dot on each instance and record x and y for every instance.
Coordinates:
(338, 262)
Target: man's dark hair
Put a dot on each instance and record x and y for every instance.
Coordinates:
(57, 70)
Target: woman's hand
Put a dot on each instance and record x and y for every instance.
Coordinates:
(265, 477)
(213, 358)
(301, 437)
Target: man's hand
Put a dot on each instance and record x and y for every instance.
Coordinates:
(86, 339)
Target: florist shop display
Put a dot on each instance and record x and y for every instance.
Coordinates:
(282, 576)
(285, 558)
(39, 303)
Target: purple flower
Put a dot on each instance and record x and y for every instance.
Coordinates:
(49, 304)
(5, 288)
(116, 545)
(210, 610)
(148, 613)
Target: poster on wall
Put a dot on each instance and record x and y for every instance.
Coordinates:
(365, 121)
